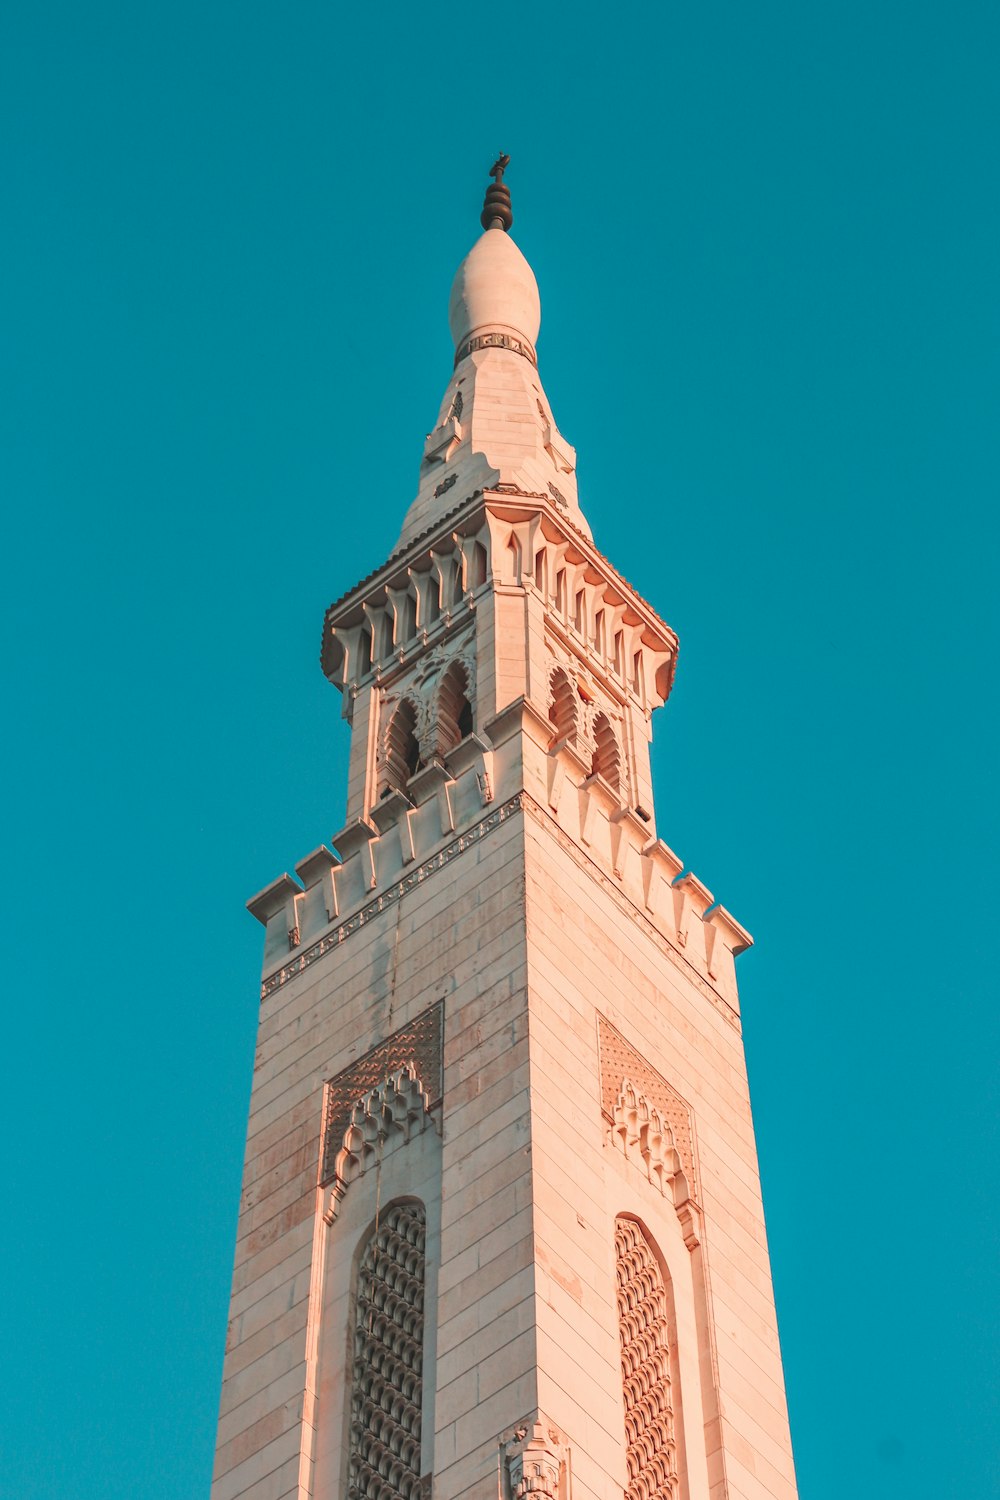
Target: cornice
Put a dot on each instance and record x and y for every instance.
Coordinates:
(389, 897)
(520, 502)
(521, 802)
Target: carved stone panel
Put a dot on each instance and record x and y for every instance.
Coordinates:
(534, 1461)
(417, 1046)
(385, 1117)
(634, 1094)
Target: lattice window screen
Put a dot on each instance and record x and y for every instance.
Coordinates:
(643, 1323)
(388, 1359)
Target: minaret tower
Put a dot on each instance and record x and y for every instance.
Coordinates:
(501, 1229)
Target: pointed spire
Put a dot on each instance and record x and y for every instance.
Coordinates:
(497, 213)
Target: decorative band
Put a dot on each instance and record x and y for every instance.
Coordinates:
(495, 341)
(390, 896)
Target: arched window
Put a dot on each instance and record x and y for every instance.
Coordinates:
(644, 1325)
(562, 710)
(364, 658)
(402, 749)
(476, 568)
(454, 708)
(433, 597)
(408, 620)
(606, 762)
(387, 1374)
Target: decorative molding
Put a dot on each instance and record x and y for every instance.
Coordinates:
(389, 897)
(495, 341)
(412, 1055)
(521, 801)
(646, 1115)
(643, 1319)
(387, 1388)
(558, 497)
(388, 1115)
(445, 485)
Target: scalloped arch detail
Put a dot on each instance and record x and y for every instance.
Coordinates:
(387, 1387)
(643, 1324)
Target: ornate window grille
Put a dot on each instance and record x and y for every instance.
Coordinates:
(643, 1323)
(384, 1459)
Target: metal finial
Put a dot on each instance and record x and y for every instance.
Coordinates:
(497, 213)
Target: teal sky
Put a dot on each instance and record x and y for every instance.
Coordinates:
(766, 239)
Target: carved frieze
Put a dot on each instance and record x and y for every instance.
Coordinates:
(495, 341)
(390, 896)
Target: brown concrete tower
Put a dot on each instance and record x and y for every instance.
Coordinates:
(501, 1227)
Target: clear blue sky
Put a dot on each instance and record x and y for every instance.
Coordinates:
(766, 241)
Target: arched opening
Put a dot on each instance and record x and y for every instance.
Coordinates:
(384, 1455)
(364, 659)
(606, 762)
(638, 683)
(513, 559)
(408, 620)
(402, 749)
(646, 1328)
(562, 710)
(475, 568)
(580, 611)
(542, 572)
(454, 719)
(432, 601)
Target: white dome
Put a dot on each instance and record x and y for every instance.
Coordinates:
(494, 288)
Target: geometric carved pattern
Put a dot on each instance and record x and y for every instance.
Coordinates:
(653, 1102)
(388, 1360)
(645, 1345)
(391, 1088)
(643, 1133)
(386, 1116)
